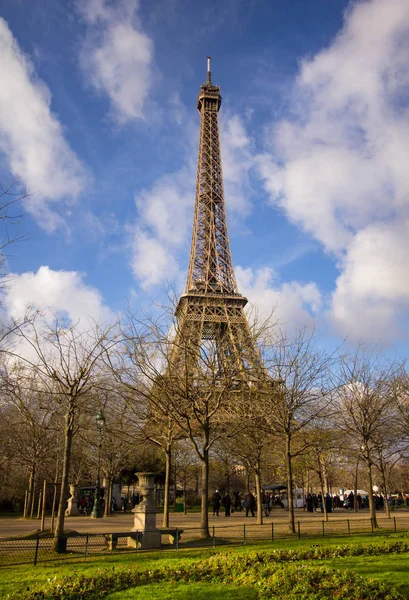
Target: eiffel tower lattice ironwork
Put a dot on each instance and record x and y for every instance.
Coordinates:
(211, 308)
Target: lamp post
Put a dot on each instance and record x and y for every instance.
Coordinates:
(96, 510)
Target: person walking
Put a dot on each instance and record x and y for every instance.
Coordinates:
(265, 500)
(237, 501)
(250, 504)
(227, 504)
(216, 503)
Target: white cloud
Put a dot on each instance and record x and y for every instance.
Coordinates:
(117, 55)
(291, 304)
(372, 292)
(167, 209)
(31, 138)
(338, 165)
(165, 216)
(237, 160)
(151, 261)
(61, 294)
(56, 292)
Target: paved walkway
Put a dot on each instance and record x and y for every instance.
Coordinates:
(124, 522)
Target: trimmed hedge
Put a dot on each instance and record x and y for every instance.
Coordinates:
(268, 571)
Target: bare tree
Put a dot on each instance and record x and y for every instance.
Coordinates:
(250, 435)
(118, 446)
(33, 422)
(300, 395)
(10, 217)
(135, 367)
(365, 405)
(66, 361)
(185, 467)
(226, 464)
(324, 445)
(191, 399)
(251, 444)
(197, 407)
(388, 452)
(400, 393)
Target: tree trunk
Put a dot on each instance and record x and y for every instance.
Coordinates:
(53, 507)
(107, 496)
(248, 478)
(307, 490)
(30, 496)
(39, 504)
(25, 504)
(324, 503)
(168, 457)
(33, 497)
(372, 511)
(42, 526)
(68, 435)
(204, 512)
(111, 480)
(303, 487)
(387, 507)
(258, 493)
(291, 518)
(57, 467)
(356, 505)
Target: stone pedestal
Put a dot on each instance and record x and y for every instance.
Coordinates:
(72, 508)
(145, 514)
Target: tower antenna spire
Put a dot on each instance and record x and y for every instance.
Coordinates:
(209, 73)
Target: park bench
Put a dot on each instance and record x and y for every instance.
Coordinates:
(111, 539)
(174, 534)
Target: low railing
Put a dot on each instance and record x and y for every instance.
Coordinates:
(41, 548)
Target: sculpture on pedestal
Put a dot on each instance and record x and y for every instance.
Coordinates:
(72, 508)
(145, 514)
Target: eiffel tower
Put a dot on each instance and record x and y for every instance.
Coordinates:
(211, 308)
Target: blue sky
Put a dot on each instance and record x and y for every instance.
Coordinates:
(98, 122)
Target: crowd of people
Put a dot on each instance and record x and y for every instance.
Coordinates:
(240, 502)
(313, 502)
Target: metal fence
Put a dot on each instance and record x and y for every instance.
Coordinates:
(41, 548)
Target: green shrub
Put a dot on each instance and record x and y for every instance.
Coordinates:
(316, 583)
(269, 572)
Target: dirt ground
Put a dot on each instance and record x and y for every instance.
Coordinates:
(14, 526)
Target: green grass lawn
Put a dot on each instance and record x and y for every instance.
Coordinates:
(184, 591)
(21, 577)
(391, 569)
